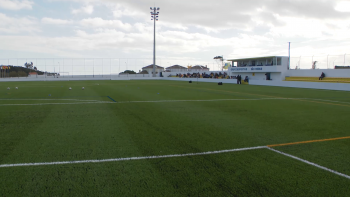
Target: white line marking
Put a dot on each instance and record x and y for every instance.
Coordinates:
(310, 163)
(129, 158)
(39, 99)
(57, 103)
(159, 101)
(212, 100)
(331, 101)
(47, 100)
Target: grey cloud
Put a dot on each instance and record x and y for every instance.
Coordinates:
(232, 13)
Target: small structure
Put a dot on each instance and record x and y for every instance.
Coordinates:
(260, 68)
(149, 69)
(31, 74)
(198, 68)
(176, 68)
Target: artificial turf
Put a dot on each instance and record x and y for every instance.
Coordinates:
(47, 122)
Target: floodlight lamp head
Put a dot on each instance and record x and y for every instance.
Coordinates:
(158, 8)
(150, 8)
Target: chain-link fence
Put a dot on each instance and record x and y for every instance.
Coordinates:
(322, 61)
(70, 67)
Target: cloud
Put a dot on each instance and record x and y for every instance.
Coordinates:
(53, 21)
(15, 4)
(120, 10)
(342, 6)
(18, 25)
(88, 9)
(101, 23)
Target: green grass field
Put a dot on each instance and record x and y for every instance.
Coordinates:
(45, 123)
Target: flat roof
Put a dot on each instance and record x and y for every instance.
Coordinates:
(252, 58)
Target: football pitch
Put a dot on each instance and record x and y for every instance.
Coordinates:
(172, 138)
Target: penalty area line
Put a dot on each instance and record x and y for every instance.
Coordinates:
(130, 158)
(310, 163)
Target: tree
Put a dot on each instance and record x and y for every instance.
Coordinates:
(29, 65)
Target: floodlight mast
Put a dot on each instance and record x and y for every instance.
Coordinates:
(222, 59)
(154, 15)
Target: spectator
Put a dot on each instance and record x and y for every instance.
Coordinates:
(246, 79)
(322, 76)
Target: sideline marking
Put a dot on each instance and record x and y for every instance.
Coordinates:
(111, 99)
(78, 103)
(332, 101)
(310, 163)
(297, 99)
(309, 141)
(159, 101)
(329, 103)
(130, 158)
(226, 91)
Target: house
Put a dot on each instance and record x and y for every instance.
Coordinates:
(149, 69)
(32, 73)
(176, 68)
(198, 68)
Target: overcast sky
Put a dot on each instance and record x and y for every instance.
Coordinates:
(188, 32)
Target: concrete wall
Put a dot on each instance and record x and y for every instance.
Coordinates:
(342, 73)
(166, 74)
(194, 80)
(295, 84)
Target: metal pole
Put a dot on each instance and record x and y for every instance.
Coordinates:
(222, 63)
(154, 43)
(327, 61)
(289, 56)
(59, 68)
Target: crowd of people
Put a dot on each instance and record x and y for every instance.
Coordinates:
(203, 75)
(221, 75)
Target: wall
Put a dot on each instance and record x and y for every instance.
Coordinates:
(194, 80)
(259, 76)
(295, 84)
(345, 73)
(166, 74)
